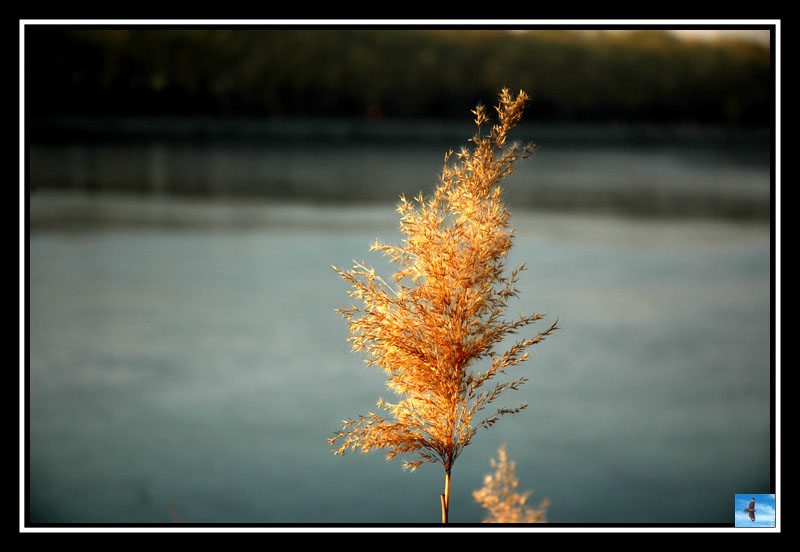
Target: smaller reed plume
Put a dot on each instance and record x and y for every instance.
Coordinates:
(500, 498)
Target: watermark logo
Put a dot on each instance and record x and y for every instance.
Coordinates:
(754, 510)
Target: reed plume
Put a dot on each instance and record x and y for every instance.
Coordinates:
(434, 329)
(500, 498)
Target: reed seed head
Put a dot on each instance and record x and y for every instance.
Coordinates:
(434, 328)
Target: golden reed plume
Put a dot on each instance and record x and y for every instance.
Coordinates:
(443, 313)
(501, 499)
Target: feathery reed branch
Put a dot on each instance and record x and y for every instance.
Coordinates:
(443, 313)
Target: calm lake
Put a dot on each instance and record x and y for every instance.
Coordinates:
(186, 364)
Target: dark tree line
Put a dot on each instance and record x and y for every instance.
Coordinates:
(641, 76)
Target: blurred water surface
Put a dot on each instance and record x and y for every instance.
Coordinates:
(645, 171)
(186, 363)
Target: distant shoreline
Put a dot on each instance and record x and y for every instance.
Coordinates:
(289, 130)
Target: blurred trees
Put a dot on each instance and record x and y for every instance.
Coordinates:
(641, 76)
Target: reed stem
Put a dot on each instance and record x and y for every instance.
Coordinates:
(446, 497)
